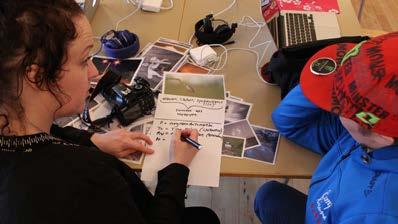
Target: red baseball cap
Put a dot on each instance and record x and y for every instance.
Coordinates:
(358, 82)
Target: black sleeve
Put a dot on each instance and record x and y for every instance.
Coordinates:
(118, 196)
(72, 135)
(168, 203)
(108, 192)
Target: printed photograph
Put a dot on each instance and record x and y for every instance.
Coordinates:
(235, 98)
(171, 47)
(157, 61)
(67, 121)
(236, 110)
(188, 67)
(102, 63)
(78, 123)
(233, 146)
(94, 82)
(147, 127)
(244, 130)
(100, 112)
(196, 85)
(145, 49)
(266, 152)
(92, 105)
(175, 42)
(136, 157)
(64, 121)
(127, 68)
(114, 124)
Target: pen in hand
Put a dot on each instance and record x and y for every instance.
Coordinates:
(191, 142)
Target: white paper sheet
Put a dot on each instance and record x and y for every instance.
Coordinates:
(205, 115)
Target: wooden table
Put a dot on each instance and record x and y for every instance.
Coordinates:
(240, 73)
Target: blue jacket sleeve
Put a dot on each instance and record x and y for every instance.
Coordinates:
(371, 219)
(305, 124)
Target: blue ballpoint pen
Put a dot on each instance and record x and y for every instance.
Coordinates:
(191, 142)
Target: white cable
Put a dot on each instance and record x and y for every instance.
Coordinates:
(134, 2)
(191, 38)
(130, 14)
(226, 9)
(252, 24)
(250, 48)
(259, 25)
(257, 61)
(168, 7)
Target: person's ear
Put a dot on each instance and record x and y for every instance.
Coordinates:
(387, 140)
(31, 74)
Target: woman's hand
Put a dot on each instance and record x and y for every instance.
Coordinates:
(121, 143)
(183, 151)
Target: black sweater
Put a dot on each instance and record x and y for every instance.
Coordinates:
(47, 180)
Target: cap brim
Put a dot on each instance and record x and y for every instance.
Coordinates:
(318, 88)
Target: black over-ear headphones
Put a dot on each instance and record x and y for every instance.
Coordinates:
(206, 34)
(120, 44)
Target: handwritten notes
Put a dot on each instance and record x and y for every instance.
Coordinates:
(166, 128)
(205, 115)
(186, 108)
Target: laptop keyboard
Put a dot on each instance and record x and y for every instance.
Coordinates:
(274, 30)
(300, 28)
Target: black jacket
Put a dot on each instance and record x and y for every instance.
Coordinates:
(286, 64)
(47, 180)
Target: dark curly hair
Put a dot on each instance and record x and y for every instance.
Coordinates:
(32, 32)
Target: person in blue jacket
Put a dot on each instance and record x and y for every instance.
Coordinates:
(345, 109)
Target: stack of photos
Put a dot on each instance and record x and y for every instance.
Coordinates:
(240, 138)
(183, 77)
(243, 140)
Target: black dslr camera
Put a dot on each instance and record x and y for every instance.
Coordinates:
(129, 102)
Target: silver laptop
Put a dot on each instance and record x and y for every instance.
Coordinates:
(89, 7)
(297, 27)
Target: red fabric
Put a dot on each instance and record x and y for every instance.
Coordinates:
(309, 5)
(271, 9)
(365, 82)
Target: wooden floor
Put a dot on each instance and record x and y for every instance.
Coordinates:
(233, 200)
(378, 14)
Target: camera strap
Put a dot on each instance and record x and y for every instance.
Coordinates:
(109, 79)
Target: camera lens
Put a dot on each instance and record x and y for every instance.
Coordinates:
(138, 86)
